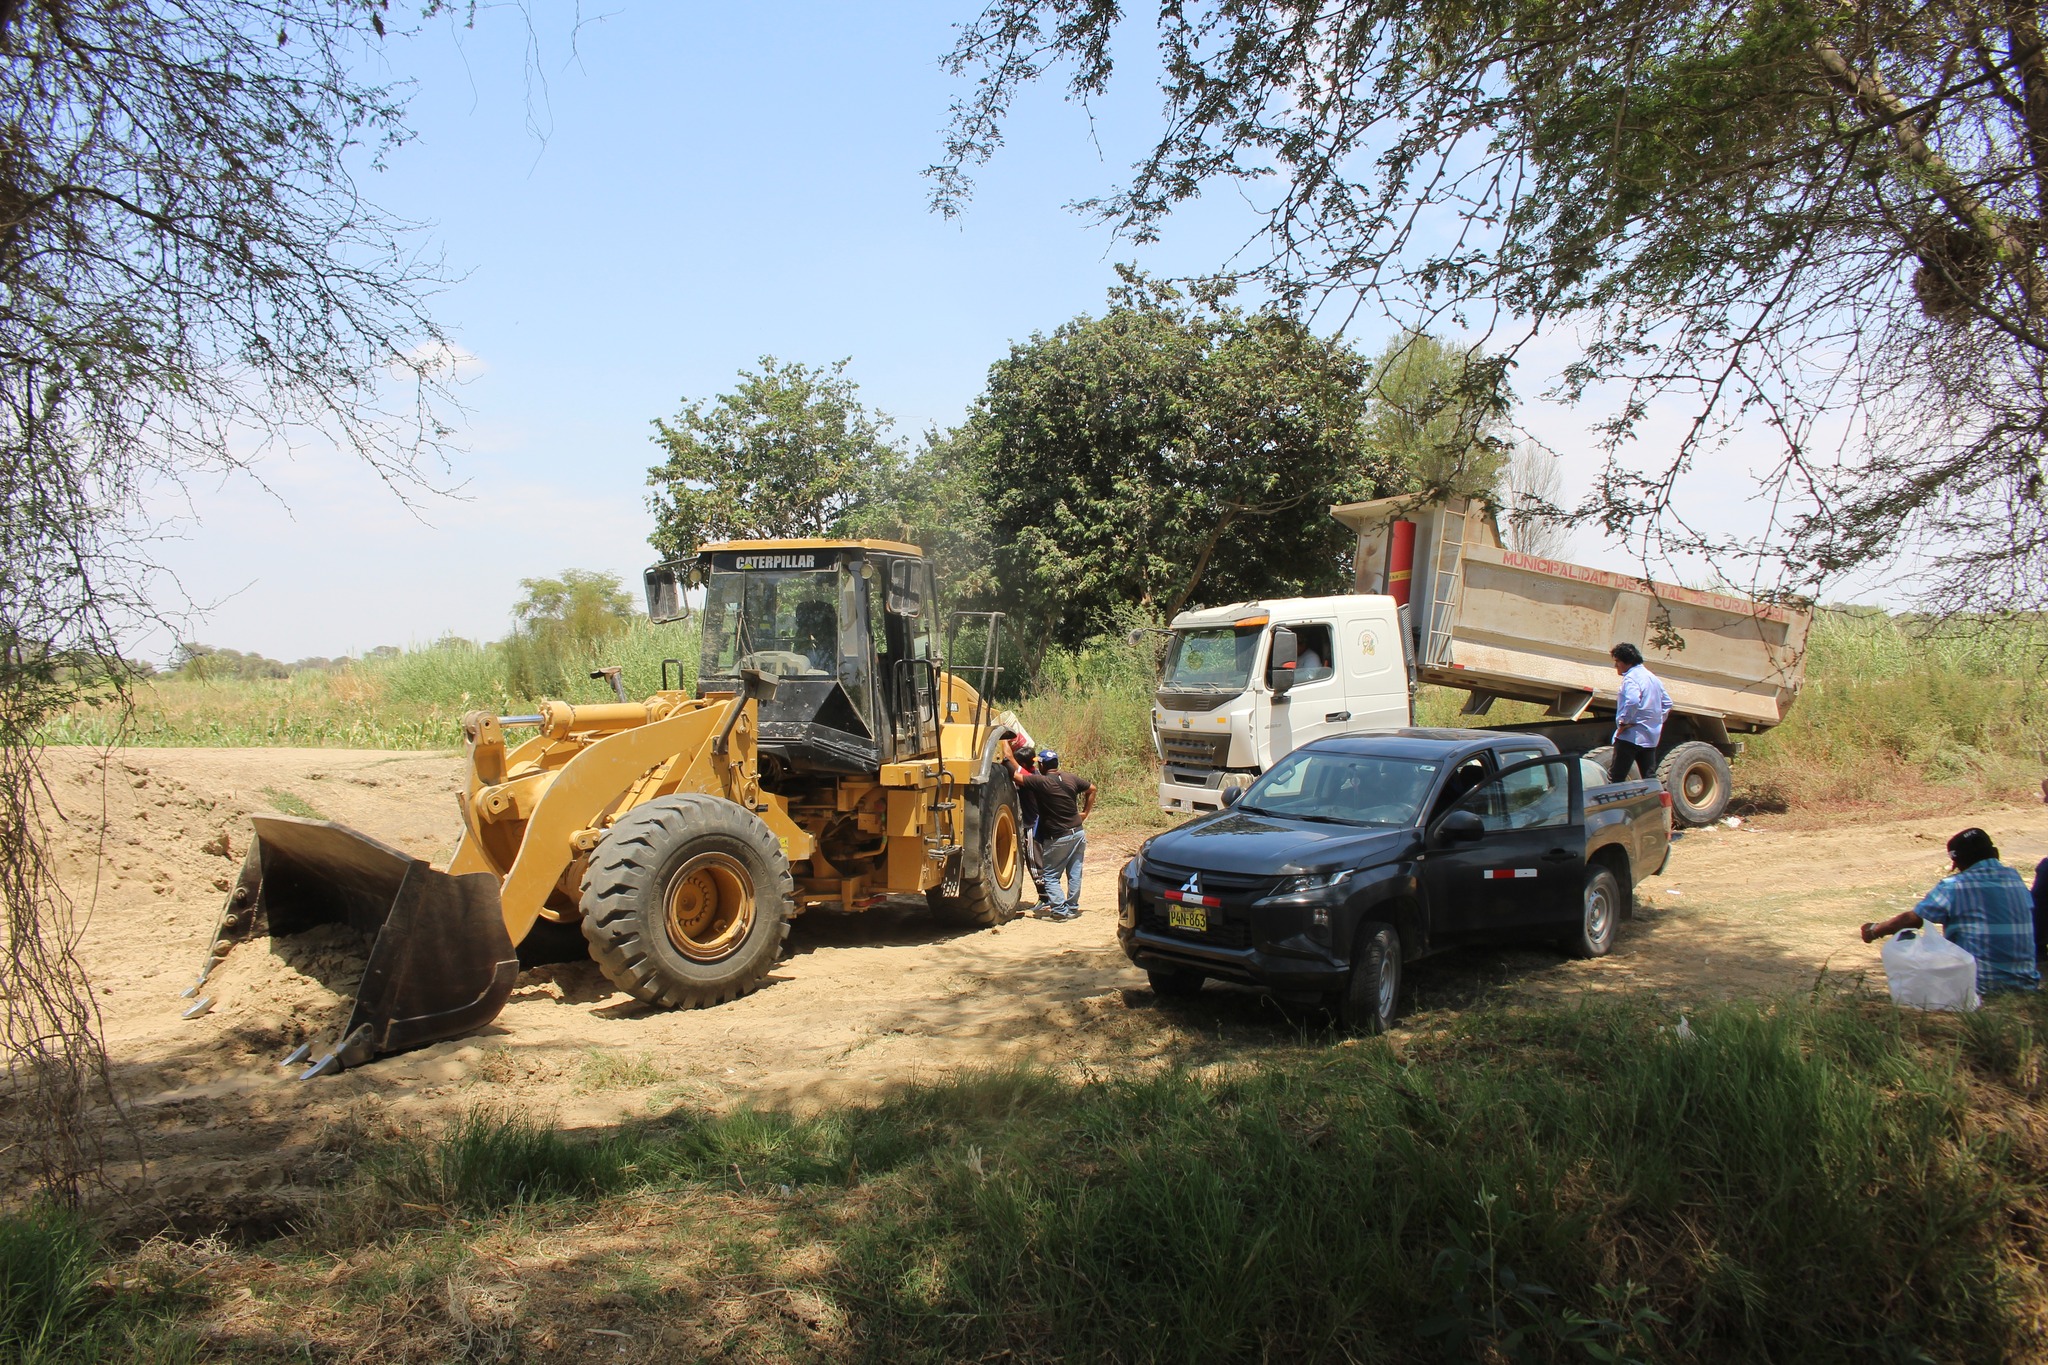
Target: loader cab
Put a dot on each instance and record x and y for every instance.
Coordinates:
(848, 631)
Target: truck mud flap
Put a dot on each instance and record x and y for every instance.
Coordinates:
(440, 962)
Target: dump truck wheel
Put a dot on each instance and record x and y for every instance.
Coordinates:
(992, 882)
(687, 901)
(1699, 780)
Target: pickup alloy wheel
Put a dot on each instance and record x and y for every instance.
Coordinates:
(1602, 909)
(1373, 996)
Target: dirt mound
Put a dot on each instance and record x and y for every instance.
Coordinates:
(282, 992)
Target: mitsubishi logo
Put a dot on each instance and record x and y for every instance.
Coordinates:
(1193, 885)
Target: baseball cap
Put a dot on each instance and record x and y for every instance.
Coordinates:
(1048, 757)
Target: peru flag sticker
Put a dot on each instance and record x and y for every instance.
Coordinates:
(1508, 874)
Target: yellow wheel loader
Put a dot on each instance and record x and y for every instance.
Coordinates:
(829, 758)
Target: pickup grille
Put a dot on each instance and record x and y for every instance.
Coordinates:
(1194, 751)
(1230, 924)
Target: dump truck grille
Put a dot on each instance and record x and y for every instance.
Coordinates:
(1196, 751)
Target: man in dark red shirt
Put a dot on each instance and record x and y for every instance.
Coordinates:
(1064, 803)
(1034, 859)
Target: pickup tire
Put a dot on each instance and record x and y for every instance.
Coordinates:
(1175, 983)
(1604, 756)
(1372, 998)
(1601, 911)
(1699, 780)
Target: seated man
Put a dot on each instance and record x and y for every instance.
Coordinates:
(1984, 909)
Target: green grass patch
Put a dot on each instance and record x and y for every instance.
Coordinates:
(491, 1161)
(60, 1302)
(289, 804)
(610, 1070)
(1812, 1180)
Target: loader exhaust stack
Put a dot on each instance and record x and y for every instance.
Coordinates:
(440, 962)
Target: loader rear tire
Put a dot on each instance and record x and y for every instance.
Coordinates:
(687, 901)
(993, 879)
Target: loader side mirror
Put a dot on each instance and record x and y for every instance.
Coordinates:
(665, 593)
(906, 588)
(1280, 672)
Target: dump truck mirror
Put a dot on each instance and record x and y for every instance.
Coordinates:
(1280, 672)
(665, 593)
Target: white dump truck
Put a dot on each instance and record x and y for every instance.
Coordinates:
(1440, 599)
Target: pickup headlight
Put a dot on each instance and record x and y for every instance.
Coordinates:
(1311, 881)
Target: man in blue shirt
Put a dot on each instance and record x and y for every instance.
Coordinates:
(2041, 895)
(1985, 909)
(1638, 715)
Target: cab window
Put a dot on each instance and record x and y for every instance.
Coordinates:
(1537, 797)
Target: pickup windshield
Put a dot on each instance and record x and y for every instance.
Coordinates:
(1218, 659)
(1352, 789)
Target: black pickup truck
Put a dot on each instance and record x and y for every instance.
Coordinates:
(1358, 853)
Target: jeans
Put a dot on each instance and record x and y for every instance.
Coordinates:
(1643, 758)
(1063, 864)
(1034, 863)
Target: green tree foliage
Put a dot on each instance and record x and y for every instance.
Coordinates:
(790, 452)
(1439, 414)
(938, 500)
(563, 619)
(1826, 222)
(1174, 446)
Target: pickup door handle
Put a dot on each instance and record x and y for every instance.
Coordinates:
(1560, 855)
(1338, 715)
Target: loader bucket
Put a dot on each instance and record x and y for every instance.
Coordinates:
(440, 963)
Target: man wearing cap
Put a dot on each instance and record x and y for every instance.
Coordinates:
(1985, 909)
(1027, 803)
(1064, 804)
(1638, 715)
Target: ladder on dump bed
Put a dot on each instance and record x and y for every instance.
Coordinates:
(1447, 577)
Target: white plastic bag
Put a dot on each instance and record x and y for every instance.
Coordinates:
(1927, 972)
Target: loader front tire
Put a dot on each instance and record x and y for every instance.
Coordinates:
(993, 878)
(687, 901)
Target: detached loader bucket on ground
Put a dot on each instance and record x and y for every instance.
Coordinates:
(440, 962)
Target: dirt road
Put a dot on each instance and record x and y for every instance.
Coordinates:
(150, 839)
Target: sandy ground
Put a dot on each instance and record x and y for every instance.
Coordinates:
(150, 839)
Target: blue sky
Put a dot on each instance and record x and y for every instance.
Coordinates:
(715, 183)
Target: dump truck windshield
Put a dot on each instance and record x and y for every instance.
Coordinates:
(784, 624)
(1218, 659)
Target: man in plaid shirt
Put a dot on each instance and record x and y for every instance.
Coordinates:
(1985, 909)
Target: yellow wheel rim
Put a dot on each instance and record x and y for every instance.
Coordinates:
(710, 907)
(1004, 849)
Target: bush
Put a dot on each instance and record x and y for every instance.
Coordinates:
(49, 1264)
(488, 1161)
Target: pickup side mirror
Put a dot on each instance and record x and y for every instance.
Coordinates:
(665, 600)
(1460, 827)
(1280, 671)
(1230, 795)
